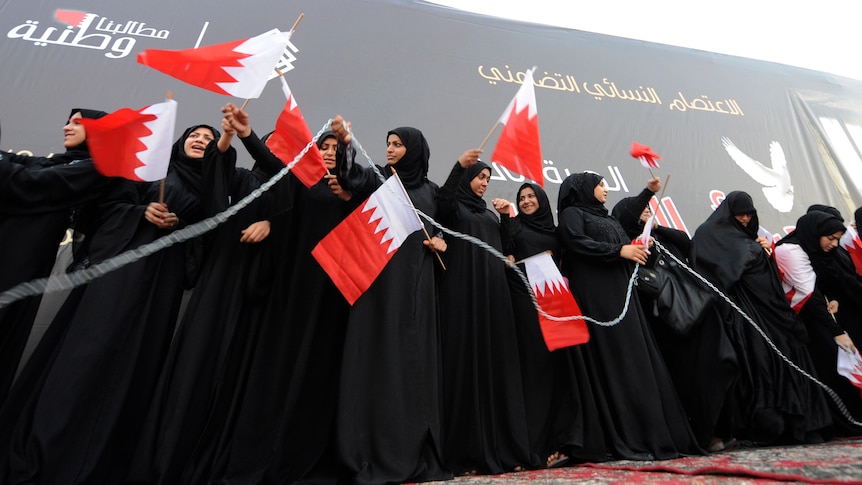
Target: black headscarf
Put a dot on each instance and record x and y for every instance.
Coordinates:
(542, 220)
(578, 190)
(323, 137)
(628, 211)
(413, 166)
(81, 151)
(465, 193)
(857, 217)
(825, 208)
(722, 246)
(188, 169)
(809, 229)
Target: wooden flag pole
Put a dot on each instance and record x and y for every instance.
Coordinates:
(427, 236)
(663, 188)
(170, 95)
(297, 22)
(489, 135)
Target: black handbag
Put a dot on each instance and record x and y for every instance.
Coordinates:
(679, 299)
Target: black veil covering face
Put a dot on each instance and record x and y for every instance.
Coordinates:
(773, 402)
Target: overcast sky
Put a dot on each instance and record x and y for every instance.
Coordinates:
(823, 35)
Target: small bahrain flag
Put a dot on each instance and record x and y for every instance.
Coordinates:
(554, 298)
(356, 251)
(133, 144)
(518, 148)
(290, 137)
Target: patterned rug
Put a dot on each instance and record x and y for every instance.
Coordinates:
(835, 462)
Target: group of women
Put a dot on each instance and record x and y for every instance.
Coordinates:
(438, 369)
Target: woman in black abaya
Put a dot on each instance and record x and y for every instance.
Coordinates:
(279, 425)
(562, 419)
(80, 400)
(640, 412)
(484, 411)
(773, 402)
(702, 362)
(807, 259)
(36, 198)
(224, 307)
(388, 414)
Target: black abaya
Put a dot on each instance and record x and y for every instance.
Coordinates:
(641, 414)
(773, 401)
(388, 414)
(79, 402)
(484, 404)
(559, 401)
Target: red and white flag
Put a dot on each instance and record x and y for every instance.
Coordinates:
(135, 145)
(239, 68)
(853, 244)
(850, 366)
(356, 251)
(555, 299)
(290, 137)
(519, 148)
(645, 155)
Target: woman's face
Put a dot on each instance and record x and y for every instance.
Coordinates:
(528, 203)
(830, 242)
(645, 215)
(743, 219)
(327, 149)
(73, 132)
(479, 184)
(395, 149)
(197, 141)
(601, 192)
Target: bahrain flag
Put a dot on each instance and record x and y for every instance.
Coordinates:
(851, 242)
(555, 299)
(239, 68)
(645, 155)
(290, 137)
(519, 148)
(356, 251)
(135, 145)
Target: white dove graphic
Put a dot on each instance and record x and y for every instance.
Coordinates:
(776, 180)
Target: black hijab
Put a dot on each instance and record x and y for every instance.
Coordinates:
(857, 217)
(825, 208)
(81, 151)
(722, 246)
(323, 137)
(628, 211)
(413, 166)
(809, 229)
(465, 193)
(542, 220)
(578, 190)
(189, 169)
